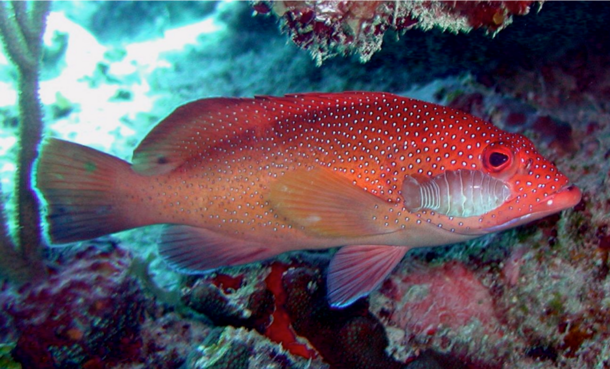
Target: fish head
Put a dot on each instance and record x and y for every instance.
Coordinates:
(505, 183)
(536, 188)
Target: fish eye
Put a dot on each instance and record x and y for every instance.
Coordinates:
(497, 158)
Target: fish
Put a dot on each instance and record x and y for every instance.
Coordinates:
(240, 180)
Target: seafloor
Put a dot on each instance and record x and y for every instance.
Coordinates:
(537, 296)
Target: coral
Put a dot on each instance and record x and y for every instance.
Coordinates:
(13, 265)
(168, 339)
(280, 329)
(239, 348)
(448, 296)
(86, 315)
(443, 308)
(251, 299)
(232, 299)
(328, 28)
(346, 338)
(560, 303)
(285, 301)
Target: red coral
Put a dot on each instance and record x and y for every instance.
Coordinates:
(293, 311)
(346, 338)
(231, 300)
(280, 330)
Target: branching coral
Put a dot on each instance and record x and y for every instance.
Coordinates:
(21, 27)
(328, 28)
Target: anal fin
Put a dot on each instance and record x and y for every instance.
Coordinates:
(197, 250)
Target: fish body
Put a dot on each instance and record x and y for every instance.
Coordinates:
(240, 180)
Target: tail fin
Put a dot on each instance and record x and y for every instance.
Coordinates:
(82, 190)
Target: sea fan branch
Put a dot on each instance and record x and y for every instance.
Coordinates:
(22, 26)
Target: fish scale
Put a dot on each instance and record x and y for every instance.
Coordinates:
(240, 180)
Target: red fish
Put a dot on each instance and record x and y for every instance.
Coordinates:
(240, 180)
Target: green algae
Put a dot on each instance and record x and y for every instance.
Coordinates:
(6, 359)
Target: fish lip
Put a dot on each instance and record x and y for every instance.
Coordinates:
(566, 197)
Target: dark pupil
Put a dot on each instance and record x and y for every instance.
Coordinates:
(496, 159)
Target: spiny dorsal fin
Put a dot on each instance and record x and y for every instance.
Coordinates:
(194, 128)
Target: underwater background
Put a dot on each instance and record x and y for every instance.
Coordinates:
(537, 296)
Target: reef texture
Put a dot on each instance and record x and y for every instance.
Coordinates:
(329, 28)
(285, 301)
(88, 314)
(92, 313)
(240, 348)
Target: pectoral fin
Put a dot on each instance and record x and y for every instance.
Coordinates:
(327, 204)
(355, 271)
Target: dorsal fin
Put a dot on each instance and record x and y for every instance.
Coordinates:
(197, 126)
(193, 128)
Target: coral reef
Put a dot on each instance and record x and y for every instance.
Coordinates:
(167, 339)
(346, 338)
(286, 302)
(239, 348)
(86, 315)
(329, 28)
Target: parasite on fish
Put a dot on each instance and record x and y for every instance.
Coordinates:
(461, 193)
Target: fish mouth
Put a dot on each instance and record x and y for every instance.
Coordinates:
(564, 198)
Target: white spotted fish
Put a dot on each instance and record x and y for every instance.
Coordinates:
(240, 180)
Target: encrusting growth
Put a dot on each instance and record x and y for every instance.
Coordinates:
(330, 28)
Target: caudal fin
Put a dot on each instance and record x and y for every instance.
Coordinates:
(80, 186)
